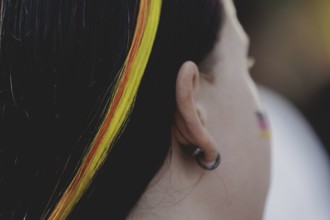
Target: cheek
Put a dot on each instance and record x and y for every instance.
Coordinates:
(240, 131)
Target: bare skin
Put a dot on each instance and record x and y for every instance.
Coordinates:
(216, 111)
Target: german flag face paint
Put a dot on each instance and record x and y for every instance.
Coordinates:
(263, 125)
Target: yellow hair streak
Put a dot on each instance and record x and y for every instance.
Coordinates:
(122, 102)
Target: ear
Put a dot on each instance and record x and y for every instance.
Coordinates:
(189, 129)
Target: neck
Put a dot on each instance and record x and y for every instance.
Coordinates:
(178, 191)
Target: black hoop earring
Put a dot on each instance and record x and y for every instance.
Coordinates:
(199, 153)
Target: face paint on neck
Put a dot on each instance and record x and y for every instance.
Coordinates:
(263, 125)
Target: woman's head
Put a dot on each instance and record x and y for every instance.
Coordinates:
(218, 111)
(59, 62)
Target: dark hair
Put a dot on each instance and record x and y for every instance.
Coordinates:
(57, 61)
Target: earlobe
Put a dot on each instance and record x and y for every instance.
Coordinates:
(189, 129)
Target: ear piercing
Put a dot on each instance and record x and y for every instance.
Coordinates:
(199, 154)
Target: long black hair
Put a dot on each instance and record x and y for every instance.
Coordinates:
(57, 60)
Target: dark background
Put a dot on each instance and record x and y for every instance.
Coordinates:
(290, 41)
